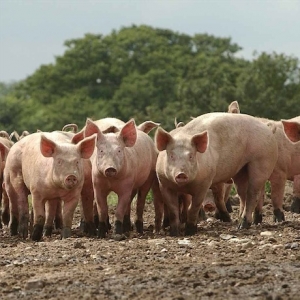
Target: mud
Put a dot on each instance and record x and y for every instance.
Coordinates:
(219, 262)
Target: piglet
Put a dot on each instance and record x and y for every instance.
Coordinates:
(49, 167)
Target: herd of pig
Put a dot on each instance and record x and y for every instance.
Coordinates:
(63, 169)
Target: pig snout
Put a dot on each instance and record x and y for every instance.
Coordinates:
(71, 181)
(181, 177)
(110, 172)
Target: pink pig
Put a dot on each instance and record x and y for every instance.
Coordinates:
(49, 167)
(209, 151)
(292, 131)
(124, 162)
(287, 166)
(5, 145)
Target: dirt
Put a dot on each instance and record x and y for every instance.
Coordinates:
(219, 262)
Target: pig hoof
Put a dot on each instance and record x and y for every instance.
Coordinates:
(190, 229)
(83, 226)
(48, 230)
(174, 231)
(14, 226)
(118, 227)
(295, 207)
(96, 220)
(257, 217)
(127, 224)
(278, 215)
(244, 224)
(229, 206)
(5, 218)
(139, 226)
(90, 228)
(23, 231)
(37, 232)
(102, 230)
(166, 223)
(223, 216)
(58, 223)
(0, 224)
(66, 232)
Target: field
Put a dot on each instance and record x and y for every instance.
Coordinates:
(219, 262)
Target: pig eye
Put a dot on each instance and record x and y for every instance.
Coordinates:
(59, 162)
(191, 156)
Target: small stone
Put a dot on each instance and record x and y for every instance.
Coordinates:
(226, 236)
(33, 284)
(294, 246)
(266, 233)
(79, 245)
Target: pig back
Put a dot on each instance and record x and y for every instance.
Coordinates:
(234, 140)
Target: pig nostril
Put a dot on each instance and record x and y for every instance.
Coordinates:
(110, 172)
(181, 177)
(71, 180)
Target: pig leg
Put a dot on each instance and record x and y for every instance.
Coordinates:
(295, 207)
(170, 199)
(256, 185)
(219, 193)
(228, 188)
(51, 207)
(127, 226)
(68, 213)
(5, 207)
(158, 205)
(193, 212)
(277, 194)
(87, 212)
(58, 222)
(122, 206)
(241, 183)
(38, 217)
(257, 217)
(18, 205)
(141, 199)
(102, 208)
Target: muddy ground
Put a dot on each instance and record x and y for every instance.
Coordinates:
(220, 262)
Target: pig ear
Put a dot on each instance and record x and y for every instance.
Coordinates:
(4, 151)
(200, 141)
(87, 146)
(147, 126)
(162, 139)
(292, 130)
(234, 108)
(90, 128)
(47, 146)
(78, 137)
(128, 133)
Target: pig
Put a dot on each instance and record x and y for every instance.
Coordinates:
(207, 152)
(287, 166)
(49, 167)
(54, 212)
(292, 131)
(123, 162)
(5, 145)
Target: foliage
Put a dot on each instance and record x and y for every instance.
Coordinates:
(149, 73)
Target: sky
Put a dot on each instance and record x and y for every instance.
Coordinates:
(33, 32)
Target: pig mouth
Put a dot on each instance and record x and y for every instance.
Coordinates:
(181, 178)
(71, 181)
(110, 172)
